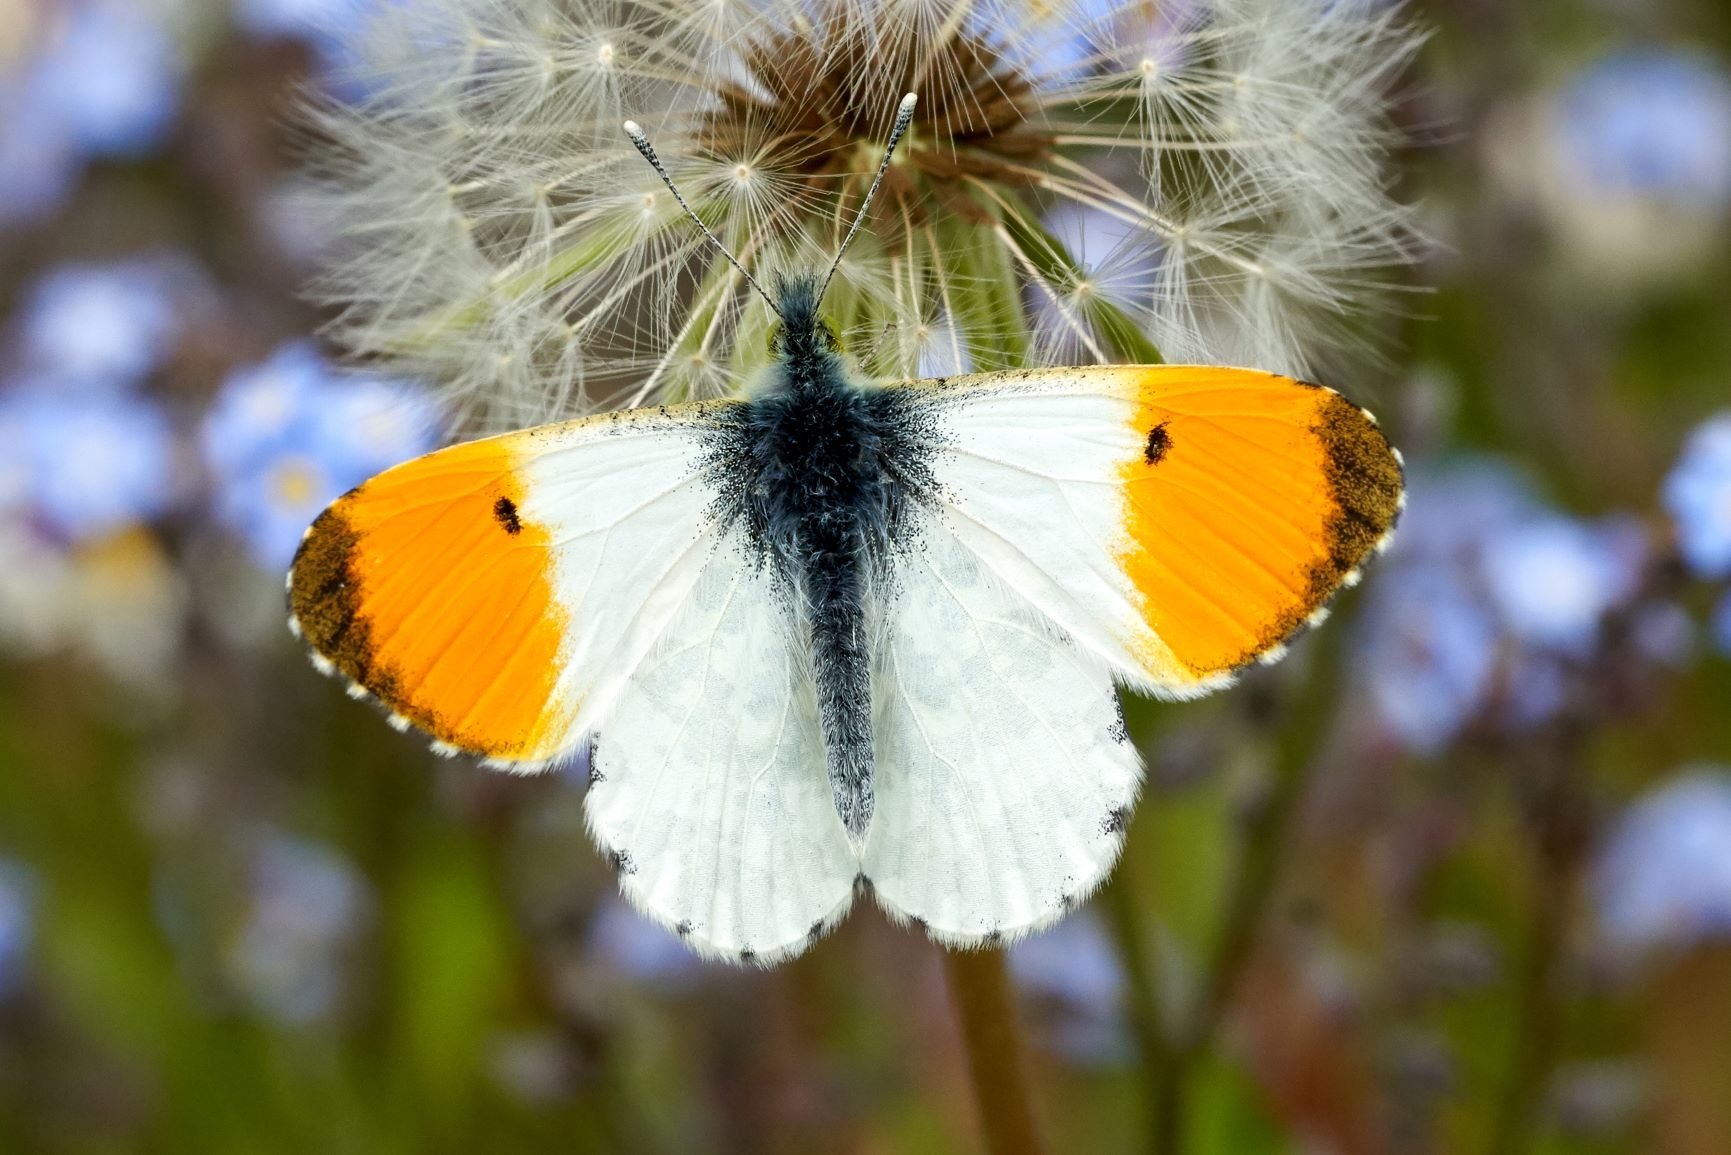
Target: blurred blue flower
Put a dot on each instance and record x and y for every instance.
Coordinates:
(331, 28)
(1664, 874)
(1488, 593)
(1430, 655)
(1454, 510)
(641, 949)
(1075, 965)
(1652, 123)
(18, 887)
(88, 464)
(307, 909)
(301, 19)
(1720, 628)
(1663, 633)
(288, 436)
(98, 325)
(111, 78)
(39, 161)
(1553, 578)
(1698, 496)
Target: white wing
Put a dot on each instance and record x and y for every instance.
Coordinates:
(1004, 776)
(709, 791)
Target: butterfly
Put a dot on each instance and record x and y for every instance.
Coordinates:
(843, 638)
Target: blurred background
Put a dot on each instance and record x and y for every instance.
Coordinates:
(1455, 878)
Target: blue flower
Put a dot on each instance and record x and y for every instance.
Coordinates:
(1654, 124)
(1720, 628)
(18, 887)
(641, 949)
(98, 325)
(331, 28)
(112, 78)
(1553, 578)
(305, 19)
(39, 160)
(1664, 875)
(1698, 496)
(1074, 966)
(288, 436)
(89, 464)
(1430, 655)
(307, 908)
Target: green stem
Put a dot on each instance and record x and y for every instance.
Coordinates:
(1267, 837)
(1142, 988)
(1556, 813)
(980, 989)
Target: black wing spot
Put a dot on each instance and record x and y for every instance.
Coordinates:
(747, 956)
(1116, 820)
(993, 937)
(621, 862)
(505, 511)
(816, 931)
(683, 928)
(1159, 445)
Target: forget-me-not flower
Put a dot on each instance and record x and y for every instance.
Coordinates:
(1664, 875)
(111, 78)
(641, 949)
(1074, 965)
(291, 434)
(39, 160)
(89, 464)
(1698, 496)
(18, 892)
(98, 325)
(307, 908)
(1720, 629)
(1651, 123)
(1553, 578)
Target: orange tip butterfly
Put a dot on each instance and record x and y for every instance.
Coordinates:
(845, 638)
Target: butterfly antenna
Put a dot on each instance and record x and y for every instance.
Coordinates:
(904, 117)
(638, 138)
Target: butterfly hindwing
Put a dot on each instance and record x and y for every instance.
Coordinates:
(495, 594)
(1178, 521)
(1004, 776)
(709, 792)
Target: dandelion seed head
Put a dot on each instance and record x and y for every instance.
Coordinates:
(1082, 181)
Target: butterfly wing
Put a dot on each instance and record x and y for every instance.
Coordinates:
(509, 596)
(1003, 773)
(1158, 526)
(708, 789)
(1177, 521)
(497, 593)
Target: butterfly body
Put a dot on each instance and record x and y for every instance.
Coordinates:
(823, 474)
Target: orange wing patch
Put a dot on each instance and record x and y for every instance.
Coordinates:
(426, 587)
(1254, 499)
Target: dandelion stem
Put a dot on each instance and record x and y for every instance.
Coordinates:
(980, 988)
(1124, 910)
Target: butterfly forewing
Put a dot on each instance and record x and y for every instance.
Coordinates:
(497, 594)
(1179, 521)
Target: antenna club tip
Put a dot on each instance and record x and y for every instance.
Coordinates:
(633, 129)
(907, 104)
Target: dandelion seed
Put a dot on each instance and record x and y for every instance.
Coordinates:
(502, 238)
